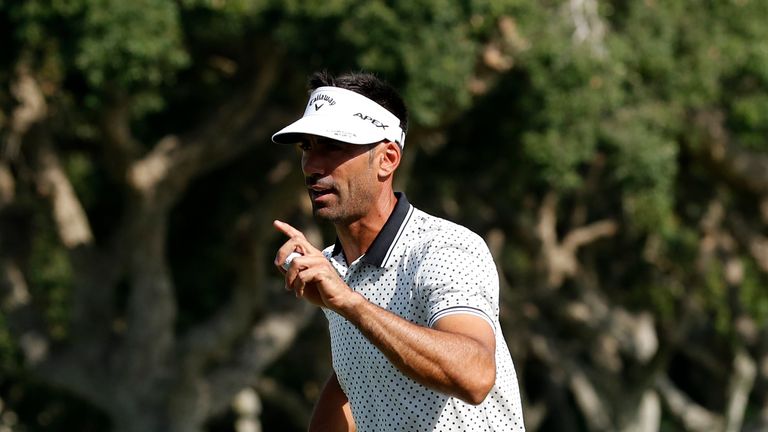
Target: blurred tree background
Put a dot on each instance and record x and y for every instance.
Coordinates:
(613, 154)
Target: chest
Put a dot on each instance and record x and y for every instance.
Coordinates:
(392, 288)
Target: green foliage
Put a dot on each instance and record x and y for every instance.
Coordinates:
(133, 44)
(32, 19)
(50, 277)
(80, 170)
(8, 351)
(428, 47)
(753, 294)
(115, 47)
(718, 297)
(750, 118)
(644, 165)
(714, 297)
(603, 122)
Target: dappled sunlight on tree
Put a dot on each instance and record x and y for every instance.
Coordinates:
(614, 155)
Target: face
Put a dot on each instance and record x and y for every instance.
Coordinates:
(340, 177)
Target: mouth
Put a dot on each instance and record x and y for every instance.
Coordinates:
(317, 193)
(320, 189)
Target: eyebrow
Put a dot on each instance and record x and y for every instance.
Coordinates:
(325, 140)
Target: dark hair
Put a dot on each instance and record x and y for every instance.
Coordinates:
(368, 85)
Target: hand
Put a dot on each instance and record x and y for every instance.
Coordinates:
(310, 275)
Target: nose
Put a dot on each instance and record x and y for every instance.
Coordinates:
(312, 163)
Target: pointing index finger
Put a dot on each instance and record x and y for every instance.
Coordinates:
(287, 229)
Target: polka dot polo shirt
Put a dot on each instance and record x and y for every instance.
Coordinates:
(421, 268)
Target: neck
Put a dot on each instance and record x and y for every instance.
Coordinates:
(357, 237)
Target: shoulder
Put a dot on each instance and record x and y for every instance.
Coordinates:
(451, 262)
(443, 244)
(434, 233)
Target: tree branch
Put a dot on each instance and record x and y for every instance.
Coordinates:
(24, 320)
(587, 398)
(744, 168)
(751, 239)
(176, 159)
(743, 376)
(694, 417)
(15, 292)
(290, 402)
(646, 417)
(759, 421)
(148, 339)
(560, 258)
(95, 272)
(212, 340)
(589, 27)
(68, 214)
(52, 182)
(497, 56)
(589, 401)
(268, 339)
(587, 234)
(31, 110)
(7, 185)
(157, 180)
(120, 147)
(616, 329)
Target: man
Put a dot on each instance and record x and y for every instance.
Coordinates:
(411, 299)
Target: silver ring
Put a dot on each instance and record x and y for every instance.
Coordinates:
(289, 259)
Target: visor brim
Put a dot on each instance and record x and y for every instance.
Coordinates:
(326, 126)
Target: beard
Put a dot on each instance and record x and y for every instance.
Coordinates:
(340, 206)
(342, 210)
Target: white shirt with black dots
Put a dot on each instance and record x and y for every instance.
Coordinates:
(421, 268)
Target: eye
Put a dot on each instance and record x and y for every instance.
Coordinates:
(334, 146)
(304, 146)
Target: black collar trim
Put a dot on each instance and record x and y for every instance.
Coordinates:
(382, 245)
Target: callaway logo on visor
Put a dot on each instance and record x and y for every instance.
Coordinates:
(319, 100)
(345, 116)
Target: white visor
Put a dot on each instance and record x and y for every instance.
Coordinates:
(343, 115)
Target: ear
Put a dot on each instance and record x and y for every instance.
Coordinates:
(388, 156)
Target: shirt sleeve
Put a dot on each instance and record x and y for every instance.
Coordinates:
(459, 279)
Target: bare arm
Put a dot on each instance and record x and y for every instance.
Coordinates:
(332, 412)
(456, 357)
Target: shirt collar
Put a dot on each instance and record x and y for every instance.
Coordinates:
(376, 254)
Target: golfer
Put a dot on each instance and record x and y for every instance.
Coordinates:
(412, 300)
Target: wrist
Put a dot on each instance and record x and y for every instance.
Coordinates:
(350, 305)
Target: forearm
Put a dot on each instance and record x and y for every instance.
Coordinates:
(457, 357)
(449, 362)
